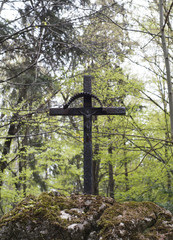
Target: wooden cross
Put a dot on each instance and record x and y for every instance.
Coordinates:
(87, 111)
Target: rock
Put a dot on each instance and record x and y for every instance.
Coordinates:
(136, 221)
(54, 217)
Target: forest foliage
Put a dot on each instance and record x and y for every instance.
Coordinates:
(46, 49)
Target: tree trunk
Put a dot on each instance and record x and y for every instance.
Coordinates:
(13, 128)
(169, 186)
(126, 177)
(125, 166)
(96, 161)
(167, 64)
(111, 175)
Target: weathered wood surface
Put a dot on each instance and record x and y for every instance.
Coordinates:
(87, 111)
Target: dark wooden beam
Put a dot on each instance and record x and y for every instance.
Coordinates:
(87, 111)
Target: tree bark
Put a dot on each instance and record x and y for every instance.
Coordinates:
(167, 65)
(96, 161)
(111, 175)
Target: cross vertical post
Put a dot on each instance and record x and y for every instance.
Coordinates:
(87, 138)
(87, 111)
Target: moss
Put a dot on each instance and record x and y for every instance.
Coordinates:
(131, 215)
(54, 215)
(48, 206)
(57, 217)
(45, 206)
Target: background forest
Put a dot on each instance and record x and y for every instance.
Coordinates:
(46, 47)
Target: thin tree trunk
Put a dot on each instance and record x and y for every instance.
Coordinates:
(96, 161)
(169, 186)
(126, 177)
(169, 181)
(6, 148)
(126, 166)
(111, 176)
(167, 64)
(13, 128)
(96, 168)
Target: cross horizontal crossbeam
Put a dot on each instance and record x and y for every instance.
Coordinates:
(87, 111)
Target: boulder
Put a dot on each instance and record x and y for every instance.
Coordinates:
(54, 217)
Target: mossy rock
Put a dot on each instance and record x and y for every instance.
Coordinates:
(53, 217)
(136, 221)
